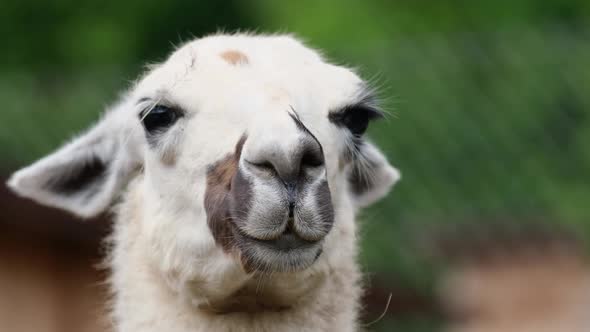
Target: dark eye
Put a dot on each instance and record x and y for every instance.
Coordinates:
(158, 118)
(355, 118)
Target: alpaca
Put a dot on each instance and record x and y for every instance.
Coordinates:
(234, 170)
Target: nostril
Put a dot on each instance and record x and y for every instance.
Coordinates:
(266, 166)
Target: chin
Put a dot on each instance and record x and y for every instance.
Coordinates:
(288, 253)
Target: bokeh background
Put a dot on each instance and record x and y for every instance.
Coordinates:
(489, 123)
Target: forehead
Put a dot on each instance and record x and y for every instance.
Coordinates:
(276, 70)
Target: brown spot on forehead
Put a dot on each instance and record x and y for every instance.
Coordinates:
(234, 57)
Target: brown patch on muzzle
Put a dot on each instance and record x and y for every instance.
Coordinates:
(220, 178)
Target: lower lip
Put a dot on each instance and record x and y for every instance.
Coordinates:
(286, 253)
(270, 259)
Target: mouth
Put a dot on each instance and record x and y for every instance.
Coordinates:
(286, 253)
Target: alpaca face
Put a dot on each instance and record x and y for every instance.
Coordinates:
(251, 145)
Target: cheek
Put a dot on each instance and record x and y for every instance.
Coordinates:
(173, 200)
(176, 229)
(336, 169)
(174, 188)
(333, 142)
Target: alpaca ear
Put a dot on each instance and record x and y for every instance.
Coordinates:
(85, 175)
(371, 176)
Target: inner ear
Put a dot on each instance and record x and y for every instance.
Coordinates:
(82, 176)
(370, 175)
(361, 178)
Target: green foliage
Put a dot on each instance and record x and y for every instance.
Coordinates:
(72, 35)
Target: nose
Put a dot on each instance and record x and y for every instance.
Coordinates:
(290, 164)
(283, 163)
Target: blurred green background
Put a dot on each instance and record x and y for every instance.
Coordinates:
(489, 100)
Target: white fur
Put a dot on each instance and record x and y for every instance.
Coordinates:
(168, 272)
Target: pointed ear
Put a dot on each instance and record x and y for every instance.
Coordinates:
(85, 175)
(371, 176)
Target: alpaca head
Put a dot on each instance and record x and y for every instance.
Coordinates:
(251, 145)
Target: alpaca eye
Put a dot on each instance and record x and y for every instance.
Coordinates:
(355, 118)
(158, 118)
